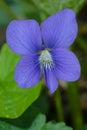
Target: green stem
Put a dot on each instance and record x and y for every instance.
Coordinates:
(58, 105)
(82, 43)
(74, 102)
(7, 9)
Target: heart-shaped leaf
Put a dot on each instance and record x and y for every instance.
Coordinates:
(13, 99)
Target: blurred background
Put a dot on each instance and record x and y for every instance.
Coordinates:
(69, 103)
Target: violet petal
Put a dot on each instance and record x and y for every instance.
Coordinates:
(24, 36)
(67, 66)
(60, 29)
(51, 80)
(28, 72)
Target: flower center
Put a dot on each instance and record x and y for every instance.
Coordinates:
(46, 60)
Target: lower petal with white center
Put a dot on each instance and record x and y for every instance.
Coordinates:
(67, 66)
(28, 72)
(51, 80)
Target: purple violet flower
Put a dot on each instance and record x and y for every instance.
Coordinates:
(44, 49)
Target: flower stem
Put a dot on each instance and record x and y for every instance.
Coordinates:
(58, 105)
(74, 102)
(7, 9)
(81, 43)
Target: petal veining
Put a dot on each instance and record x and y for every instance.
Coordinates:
(24, 36)
(60, 29)
(51, 80)
(28, 72)
(67, 66)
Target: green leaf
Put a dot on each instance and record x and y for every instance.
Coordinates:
(43, 103)
(52, 6)
(36, 125)
(46, 8)
(55, 126)
(13, 99)
(32, 119)
(38, 122)
(84, 127)
(6, 126)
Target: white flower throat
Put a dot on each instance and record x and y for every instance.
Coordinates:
(46, 60)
